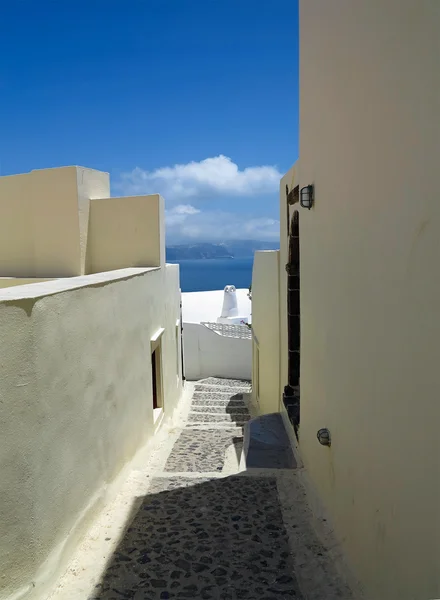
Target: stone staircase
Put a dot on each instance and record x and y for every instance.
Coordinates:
(220, 403)
(206, 524)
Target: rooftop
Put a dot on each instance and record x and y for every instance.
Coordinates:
(200, 307)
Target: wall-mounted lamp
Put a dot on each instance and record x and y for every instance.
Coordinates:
(324, 438)
(306, 196)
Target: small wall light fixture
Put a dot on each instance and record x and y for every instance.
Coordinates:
(324, 438)
(307, 196)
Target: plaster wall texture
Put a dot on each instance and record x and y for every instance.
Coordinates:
(370, 291)
(266, 329)
(75, 406)
(126, 232)
(208, 354)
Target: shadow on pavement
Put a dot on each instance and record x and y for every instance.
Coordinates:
(199, 538)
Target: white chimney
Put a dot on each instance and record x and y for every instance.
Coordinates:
(229, 312)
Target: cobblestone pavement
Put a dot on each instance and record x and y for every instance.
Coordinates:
(203, 532)
(222, 538)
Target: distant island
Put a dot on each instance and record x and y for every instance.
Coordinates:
(229, 249)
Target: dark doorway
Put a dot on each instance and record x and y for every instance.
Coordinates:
(292, 391)
(181, 344)
(156, 377)
(154, 373)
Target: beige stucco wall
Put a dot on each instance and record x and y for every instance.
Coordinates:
(61, 223)
(75, 406)
(91, 184)
(370, 290)
(6, 282)
(55, 223)
(265, 330)
(44, 221)
(126, 232)
(16, 243)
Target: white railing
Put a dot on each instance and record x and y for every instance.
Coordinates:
(242, 332)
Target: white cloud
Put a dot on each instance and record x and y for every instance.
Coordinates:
(187, 184)
(212, 176)
(185, 209)
(179, 214)
(186, 224)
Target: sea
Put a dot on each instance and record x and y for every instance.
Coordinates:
(205, 275)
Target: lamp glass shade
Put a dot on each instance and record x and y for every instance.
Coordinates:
(306, 196)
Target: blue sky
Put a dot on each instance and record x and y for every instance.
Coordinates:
(195, 99)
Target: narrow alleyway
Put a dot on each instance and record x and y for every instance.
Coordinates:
(208, 526)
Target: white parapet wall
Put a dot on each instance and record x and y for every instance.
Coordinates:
(76, 404)
(212, 353)
(211, 349)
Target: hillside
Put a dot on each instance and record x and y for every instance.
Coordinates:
(229, 249)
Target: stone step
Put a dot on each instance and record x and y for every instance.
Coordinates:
(202, 450)
(226, 382)
(233, 391)
(241, 410)
(217, 396)
(236, 419)
(229, 403)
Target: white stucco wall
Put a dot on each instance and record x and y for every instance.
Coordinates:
(370, 289)
(207, 306)
(207, 354)
(75, 406)
(266, 330)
